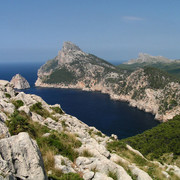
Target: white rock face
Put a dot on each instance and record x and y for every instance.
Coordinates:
(141, 175)
(4, 133)
(19, 82)
(20, 156)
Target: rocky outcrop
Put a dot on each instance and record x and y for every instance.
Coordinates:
(145, 88)
(19, 82)
(20, 157)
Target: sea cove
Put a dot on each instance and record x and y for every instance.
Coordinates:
(93, 108)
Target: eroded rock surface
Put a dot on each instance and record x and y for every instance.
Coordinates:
(19, 82)
(21, 158)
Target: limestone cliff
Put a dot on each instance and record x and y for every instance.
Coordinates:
(145, 88)
(19, 82)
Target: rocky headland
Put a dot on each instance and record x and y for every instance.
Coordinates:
(40, 141)
(148, 89)
(19, 82)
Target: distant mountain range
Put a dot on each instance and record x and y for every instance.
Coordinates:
(144, 87)
(171, 66)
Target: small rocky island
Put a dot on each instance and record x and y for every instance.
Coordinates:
(19, 82)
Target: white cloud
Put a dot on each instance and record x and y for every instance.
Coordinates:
(132, 18)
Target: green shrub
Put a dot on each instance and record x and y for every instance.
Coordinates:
(153, 143)
(112, 175)
(18, 103)
(61, 143)
(86, 153)
(8, 95)
(57, 110)
(19, 122)
(37, 108)
(99, 134)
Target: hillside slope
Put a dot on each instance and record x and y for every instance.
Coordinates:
(70, 149)
(148, 89)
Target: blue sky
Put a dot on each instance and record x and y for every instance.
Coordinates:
(116, 30)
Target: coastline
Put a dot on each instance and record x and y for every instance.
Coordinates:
(149, 107)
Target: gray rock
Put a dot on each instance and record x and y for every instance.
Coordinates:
(20, 156)
(141, 175)
(19, 82)
(3, 116)
(6, 106)
(25, 109)
(100, 176)
(4, 133)
(64, 164)
(88, 175)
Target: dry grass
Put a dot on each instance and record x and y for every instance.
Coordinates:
(86, 153)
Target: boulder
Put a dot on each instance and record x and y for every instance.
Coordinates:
(20, 157)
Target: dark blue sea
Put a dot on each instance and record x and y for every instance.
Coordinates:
(93, 108)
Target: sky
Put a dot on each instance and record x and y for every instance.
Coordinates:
(115, 30)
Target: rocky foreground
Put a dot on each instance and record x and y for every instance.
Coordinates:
(40, 141)
(148, 89)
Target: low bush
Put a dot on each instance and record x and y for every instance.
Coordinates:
(7, 95)
(37, 108)
(18, 103)
(112, 175)
(153, 143)
(86, 153)
(57, 110)
(60, 143)
(19, 122)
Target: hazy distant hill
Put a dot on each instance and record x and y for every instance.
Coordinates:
(170, 66)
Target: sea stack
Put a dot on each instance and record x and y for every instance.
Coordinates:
(19, 82)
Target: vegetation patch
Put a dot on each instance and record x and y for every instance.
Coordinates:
(8, 95)
(157, 78)
(18, 103)
(60, 143)
(57, 110)
(86, 153)
(99, 134)
(19, 121)
(61, 76)
(153, 143)
(112, 175)
(37, 108)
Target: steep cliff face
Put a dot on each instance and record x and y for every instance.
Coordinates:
(70, 148)
(145, 88)
(19, 82)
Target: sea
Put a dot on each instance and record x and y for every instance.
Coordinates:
(93, 108)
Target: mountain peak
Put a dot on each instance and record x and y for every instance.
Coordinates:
(146, 58)
(69, 46)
